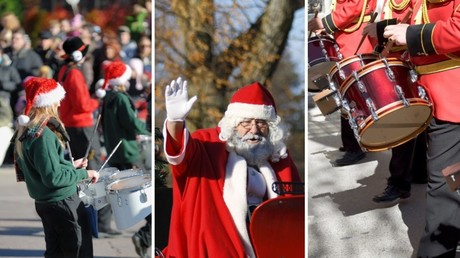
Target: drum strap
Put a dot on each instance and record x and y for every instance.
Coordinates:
(438, 67)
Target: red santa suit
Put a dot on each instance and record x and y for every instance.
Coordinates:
(209, 188)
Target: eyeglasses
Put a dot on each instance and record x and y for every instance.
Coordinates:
(248, 123)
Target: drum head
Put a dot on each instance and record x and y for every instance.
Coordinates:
(131, 184)
(396, 125)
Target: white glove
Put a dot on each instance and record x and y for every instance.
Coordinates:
(177, 103)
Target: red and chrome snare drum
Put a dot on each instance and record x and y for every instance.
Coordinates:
(385, 107)
(323, 52)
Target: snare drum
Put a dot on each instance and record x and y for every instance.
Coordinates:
(131, 200)
(385, 106)
(94, 194)
(323, 52)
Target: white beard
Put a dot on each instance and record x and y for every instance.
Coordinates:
(254, 154)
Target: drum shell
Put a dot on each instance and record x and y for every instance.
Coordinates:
(408, 121)
(348, 66)
(131, 200)
(316, 53)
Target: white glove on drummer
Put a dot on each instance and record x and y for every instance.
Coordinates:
(177, 103)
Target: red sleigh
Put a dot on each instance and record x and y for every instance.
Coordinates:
(277, 225)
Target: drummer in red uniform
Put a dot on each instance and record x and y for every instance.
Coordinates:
(432, 40)
(346, 22)
(408, 161)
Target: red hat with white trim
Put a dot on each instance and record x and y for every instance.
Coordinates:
(40, 92)
(252, 101)
(117, 73)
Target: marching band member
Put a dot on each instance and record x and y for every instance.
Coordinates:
(408, 160)
(221, 174)
(345, 23)
(52, 180)
(432, 41)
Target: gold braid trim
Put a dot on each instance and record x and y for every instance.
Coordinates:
(360, 21)
(399, 7)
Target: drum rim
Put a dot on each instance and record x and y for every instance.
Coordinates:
(348, 60)
(368, 68)
(389, 109)
(144, 185)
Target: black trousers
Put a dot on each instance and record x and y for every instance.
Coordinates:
(67, 228)
(408, 161)
(348, 137)
(442, 230)
(79, 138)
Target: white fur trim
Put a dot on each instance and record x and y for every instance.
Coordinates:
(177, 159)
(235, 197)
(100, 93)
(251, 111)
(49, 98)
(23, 120)
(122, 79)
(270, 178)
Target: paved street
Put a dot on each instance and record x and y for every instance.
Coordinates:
(343, 221)
(21, 231)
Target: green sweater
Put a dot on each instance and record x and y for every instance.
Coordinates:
(120, 122)
(48, 176)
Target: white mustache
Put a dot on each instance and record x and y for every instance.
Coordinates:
(251, 136)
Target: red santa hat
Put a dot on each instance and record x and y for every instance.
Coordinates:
(40, 92)
(252, 101)
(117, 73)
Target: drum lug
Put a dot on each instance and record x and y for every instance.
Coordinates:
(361, 85)
(119, 201)
(337, 50)
(341, 72)
(413, 76)
(337, 99)
(371, 106)
(422, 93)
(361, 61)
(401, 96)
(143, 197)
(388, 71)
(332, 85)
(323, 50)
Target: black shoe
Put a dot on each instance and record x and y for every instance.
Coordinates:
(391, 193)
(349, 158)
(141, 250)
(110, 233)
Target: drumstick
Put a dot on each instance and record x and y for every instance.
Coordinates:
(107, 160)
(91, 138)
(374, 16)
(390, 43)
(316, 15)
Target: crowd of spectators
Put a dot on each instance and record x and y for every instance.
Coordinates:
(20, 58)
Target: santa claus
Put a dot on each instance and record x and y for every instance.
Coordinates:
(221, 174)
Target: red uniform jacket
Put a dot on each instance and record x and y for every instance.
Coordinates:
(209, 196)
(343, 18)
(433, 44)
